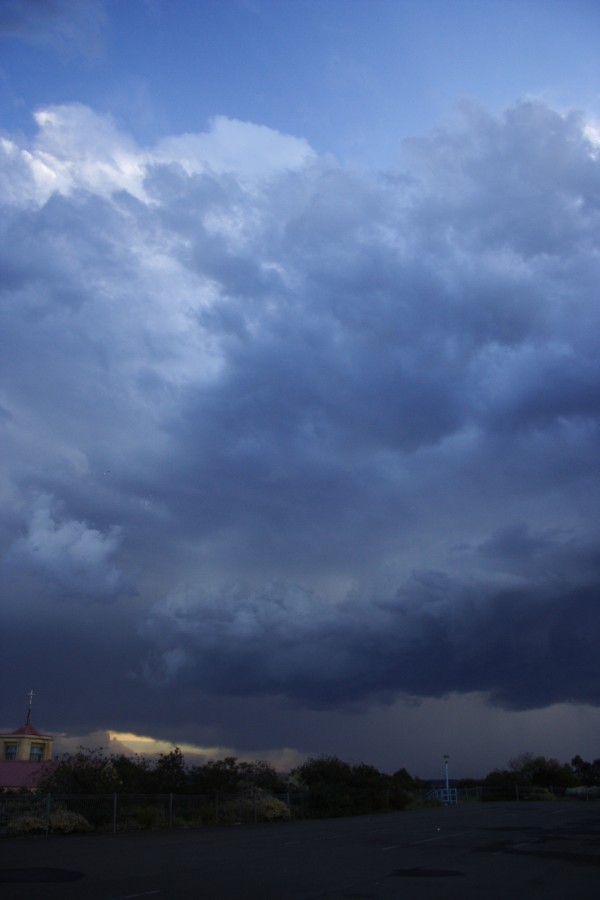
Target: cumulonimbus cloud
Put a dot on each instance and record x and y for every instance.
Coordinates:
(341, 428)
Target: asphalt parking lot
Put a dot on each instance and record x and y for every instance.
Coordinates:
(495, 851)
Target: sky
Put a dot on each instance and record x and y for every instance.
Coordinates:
(299, 378)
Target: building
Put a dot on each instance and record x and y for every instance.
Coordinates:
(22, 755)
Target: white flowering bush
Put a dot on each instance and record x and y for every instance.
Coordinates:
(259, 806)
(63, 821)
(26, 824)
(270, 809)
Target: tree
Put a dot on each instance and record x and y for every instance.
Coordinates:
(337, 788)
(404, 779)
(324, 770)
(168, 775)
(216, 776)
(83, 772)
(230, 776)
(586, 773)
(260, 774)
(134, 772)
(542, 772)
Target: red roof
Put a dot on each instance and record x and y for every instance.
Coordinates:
(20, 773)
(27, 729)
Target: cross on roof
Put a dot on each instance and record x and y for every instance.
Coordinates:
(30, 695)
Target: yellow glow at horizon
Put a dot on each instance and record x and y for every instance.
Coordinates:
(147, 744)
(143, 744)
(284, 758)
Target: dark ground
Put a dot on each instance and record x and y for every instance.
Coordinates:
(495, 851)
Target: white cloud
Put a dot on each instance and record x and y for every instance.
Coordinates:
(242, 148)
(68, 552)
(76, 148)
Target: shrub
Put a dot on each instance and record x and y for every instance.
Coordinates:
(270, 809)
(400, 799)
(26, 824)
(536, 793)
(149, 817)
(260, 807)
(63, 821)
(587, 793)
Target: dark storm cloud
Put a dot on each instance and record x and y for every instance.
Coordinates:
(528, 646)
(314, 434)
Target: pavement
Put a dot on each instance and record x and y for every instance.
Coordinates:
(491, 851)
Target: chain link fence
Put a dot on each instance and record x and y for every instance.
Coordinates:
(69, 813)
(33, 813)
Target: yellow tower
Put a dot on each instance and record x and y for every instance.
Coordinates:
(26, 744)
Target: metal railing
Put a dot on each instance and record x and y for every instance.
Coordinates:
(35, 813)
(67, 813)
(443, 795)
(31, 813)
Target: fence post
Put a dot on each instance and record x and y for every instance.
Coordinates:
(254, 806)
(48, 808)
(217, 808)
(517, 790)
(114, 813)
(171, 810)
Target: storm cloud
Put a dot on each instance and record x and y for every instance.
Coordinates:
(274, 427)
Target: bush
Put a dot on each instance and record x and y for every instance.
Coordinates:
(270, 809)
(26, 824)
(536, 793)
(587, 793)
(261, 807)
(400, 799)
(149, 817)
(63, 821)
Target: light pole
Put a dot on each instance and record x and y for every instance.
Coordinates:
(446, 758)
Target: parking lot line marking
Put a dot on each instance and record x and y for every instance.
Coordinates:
(441, 837)
(132, 896)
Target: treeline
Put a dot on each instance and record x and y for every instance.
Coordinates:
(93, 772)
(328, 785)
(336, 788)
(90, 790)
(528, 770)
